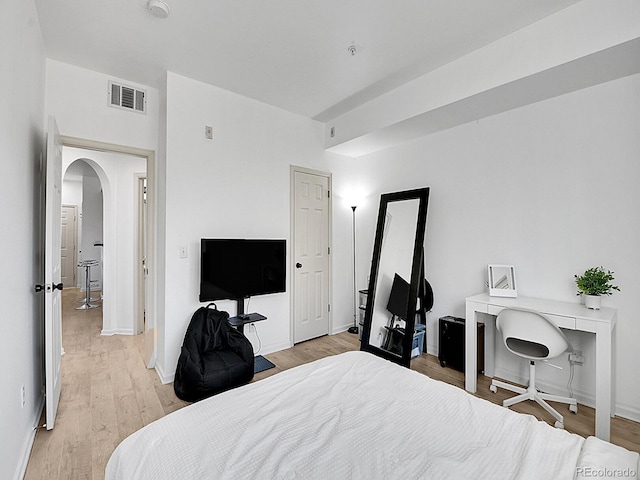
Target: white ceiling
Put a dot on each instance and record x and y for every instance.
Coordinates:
(292, 54)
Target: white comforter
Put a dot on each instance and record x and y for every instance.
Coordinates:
(357, 416)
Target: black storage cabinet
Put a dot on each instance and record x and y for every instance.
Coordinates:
(452, 343)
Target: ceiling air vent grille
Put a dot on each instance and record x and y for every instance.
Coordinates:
(127, 98)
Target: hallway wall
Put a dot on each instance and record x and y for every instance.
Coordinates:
(22, 80)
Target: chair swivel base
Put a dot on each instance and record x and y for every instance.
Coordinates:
(531, 393)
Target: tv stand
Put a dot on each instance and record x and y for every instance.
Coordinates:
(239, 321)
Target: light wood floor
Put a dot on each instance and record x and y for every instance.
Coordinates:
(107, 393)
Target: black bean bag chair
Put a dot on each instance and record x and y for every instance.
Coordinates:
(214, 357)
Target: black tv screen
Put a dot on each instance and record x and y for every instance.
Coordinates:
(399, 297)
(232, 269)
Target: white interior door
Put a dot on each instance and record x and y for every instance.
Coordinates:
(311, 256)
(68, 245)
(52, 272)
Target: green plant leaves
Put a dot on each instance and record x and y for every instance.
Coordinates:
(596, 281)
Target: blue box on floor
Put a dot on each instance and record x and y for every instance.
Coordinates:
(418, 340)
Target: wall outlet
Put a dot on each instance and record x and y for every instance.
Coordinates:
(576, 358)
(208, 132)
(182, 251)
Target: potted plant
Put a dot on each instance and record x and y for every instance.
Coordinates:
(594, 283)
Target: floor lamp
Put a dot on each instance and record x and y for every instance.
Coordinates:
(354, 328)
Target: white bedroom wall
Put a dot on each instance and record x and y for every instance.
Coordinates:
(236, 185)
(77, 97)
(22, 146)
(550, 188)
(72, 191)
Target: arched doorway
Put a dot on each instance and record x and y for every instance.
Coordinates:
(109, 232)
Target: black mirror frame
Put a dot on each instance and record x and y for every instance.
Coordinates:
(417, 273)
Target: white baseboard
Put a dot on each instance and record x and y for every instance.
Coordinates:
(164, 378)
(276, 347)
(21, 469)
(117, 331)
(340, 328)
(628, 411)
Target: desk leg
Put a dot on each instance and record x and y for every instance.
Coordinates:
(604, 374)
(489, 345)
(614, 349)
(471, 348)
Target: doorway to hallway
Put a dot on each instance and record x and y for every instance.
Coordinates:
(125, 304)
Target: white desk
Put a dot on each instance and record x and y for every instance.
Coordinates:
(570, 316)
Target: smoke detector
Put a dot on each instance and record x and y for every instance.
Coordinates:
(352, 49)
(158, 8)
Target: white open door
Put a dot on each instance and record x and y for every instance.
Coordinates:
(52, 272)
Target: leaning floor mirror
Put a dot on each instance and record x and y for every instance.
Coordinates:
(397, 270)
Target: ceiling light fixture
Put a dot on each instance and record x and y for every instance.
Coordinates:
(158, 8)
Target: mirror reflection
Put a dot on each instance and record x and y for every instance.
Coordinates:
(395, 283)
(389, 316)
(502, 281)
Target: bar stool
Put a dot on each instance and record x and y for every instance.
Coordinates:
(90, 263)
(87, 264)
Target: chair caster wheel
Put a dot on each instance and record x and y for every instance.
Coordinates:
(493, 388)
(559, 425)
(573, 408)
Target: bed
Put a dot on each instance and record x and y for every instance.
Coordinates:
(357, 416)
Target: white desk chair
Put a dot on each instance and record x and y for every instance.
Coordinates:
(533, 336)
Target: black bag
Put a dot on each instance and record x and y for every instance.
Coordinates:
(214, 357)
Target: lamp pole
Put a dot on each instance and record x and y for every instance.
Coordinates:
(354, 328)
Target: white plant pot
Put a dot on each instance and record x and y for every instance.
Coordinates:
(594, 302)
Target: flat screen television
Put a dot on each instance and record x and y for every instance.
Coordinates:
(399, 297)
(233, 269)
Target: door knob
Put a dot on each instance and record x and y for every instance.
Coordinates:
(298, 265)
(45, 288)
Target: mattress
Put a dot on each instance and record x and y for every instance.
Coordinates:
(357, 416)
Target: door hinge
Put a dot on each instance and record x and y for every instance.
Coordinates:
(328, 193)
(328, 307)
(328, 250)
